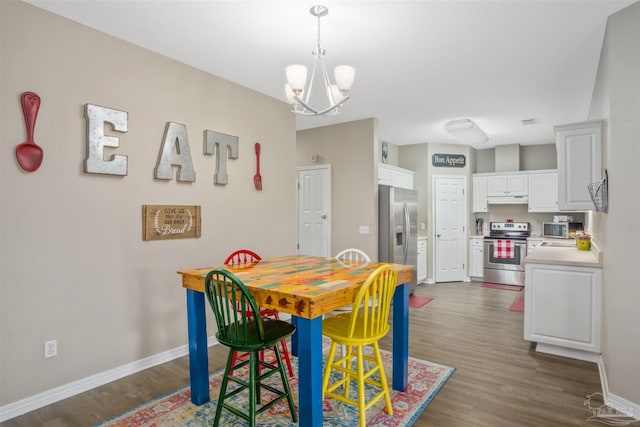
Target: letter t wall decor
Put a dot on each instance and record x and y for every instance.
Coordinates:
(224, 145)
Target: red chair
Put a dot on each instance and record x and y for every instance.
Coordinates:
(243, 257)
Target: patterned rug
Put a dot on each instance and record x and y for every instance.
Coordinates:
(176, 409)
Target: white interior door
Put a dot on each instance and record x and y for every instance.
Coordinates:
(314, 210)
(450, 245)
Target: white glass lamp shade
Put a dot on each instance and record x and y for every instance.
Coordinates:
(297, 77)
(466, 131)
(337, 95)
(345, 75)
(290, 95)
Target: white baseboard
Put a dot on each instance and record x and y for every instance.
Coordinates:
(466, 279)
(618, 403)
(430, 281)
(48, 397)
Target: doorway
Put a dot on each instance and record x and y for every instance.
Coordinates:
(314, 210)
(449, 228)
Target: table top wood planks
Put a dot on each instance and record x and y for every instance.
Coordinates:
(304, 286)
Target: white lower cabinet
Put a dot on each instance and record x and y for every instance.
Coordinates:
(476, 258)
(422, 261)
(562, 309)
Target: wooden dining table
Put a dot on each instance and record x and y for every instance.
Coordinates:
(306, 287)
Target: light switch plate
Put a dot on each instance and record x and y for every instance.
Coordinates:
(364, 229)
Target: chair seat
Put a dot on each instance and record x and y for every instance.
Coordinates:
(274, 332)
(337, 328)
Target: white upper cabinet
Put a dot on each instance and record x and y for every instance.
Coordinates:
(395, 176)
(479, 194)
(579, 149)
(543, 192)
(507, 185)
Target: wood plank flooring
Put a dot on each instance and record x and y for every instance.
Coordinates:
(500, 380)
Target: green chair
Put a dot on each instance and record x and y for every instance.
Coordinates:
(251, 334)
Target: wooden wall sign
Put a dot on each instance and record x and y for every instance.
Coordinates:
(163, 222)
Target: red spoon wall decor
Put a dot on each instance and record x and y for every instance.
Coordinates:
(257, 179)
(29, 154)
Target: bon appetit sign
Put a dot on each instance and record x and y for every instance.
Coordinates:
(448, 160)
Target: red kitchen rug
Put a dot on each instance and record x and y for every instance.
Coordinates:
(417, 302)
(503, 287)
(518, 304)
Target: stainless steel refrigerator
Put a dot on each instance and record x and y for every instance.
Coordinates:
(398, 227)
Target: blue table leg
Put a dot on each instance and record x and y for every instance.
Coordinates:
(309, 348)
(401, 337)
(198, 356)
(294, 337)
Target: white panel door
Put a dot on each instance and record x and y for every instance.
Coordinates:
(314, 198)
(449, 227)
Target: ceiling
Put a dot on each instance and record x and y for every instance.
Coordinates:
(418, 63)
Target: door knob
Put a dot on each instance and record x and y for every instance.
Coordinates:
(323, 216)
(437, 235)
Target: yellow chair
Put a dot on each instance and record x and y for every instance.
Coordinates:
(363, 326)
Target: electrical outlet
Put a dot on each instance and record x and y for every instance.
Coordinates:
(363, 229)
(50, 349)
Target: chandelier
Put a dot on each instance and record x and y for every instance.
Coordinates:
(297, 90)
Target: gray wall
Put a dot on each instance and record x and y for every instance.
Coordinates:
(74, 266)
(352, 150)
(415, 158)
(532, 157)
(616, 99)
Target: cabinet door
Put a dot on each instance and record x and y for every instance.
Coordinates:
(476, 266)
(479, 194)
(497, 185)
(579, 162)
(402, 179)
(421, 272)
(543, 192)
(563, 306)
(517, 185)
(384, 176)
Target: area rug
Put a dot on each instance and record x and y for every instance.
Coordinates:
(518, 304)
(175, 408)
(416, 301)
(502, 287)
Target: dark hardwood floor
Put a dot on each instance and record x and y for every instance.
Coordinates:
(500, 380)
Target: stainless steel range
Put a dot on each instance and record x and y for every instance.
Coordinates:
(506, 271)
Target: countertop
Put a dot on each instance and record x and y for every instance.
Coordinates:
(566, 256)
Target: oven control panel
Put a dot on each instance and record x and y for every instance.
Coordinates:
(510, 226)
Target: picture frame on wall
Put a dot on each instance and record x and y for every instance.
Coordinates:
(385, 152)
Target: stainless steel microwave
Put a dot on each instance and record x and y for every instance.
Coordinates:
(561, 230)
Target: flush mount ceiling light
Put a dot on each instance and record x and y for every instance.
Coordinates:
(466, 131)
(297, 90)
